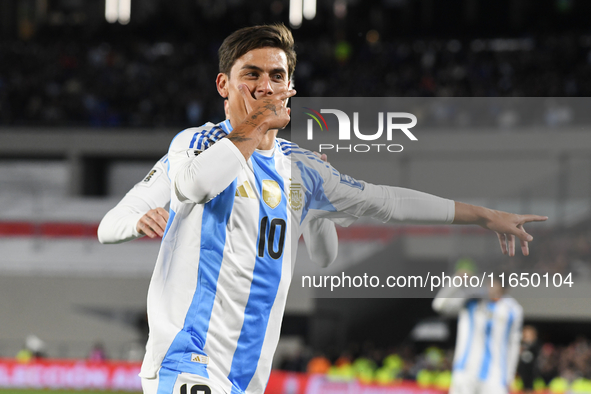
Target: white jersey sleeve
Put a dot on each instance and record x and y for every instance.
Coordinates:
(322, 242)
(206, 168)
(449, 301)
(344, 199)
(119, 224)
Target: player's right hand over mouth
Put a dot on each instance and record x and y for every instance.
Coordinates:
(271, 110)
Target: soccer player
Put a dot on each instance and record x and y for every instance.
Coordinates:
(488, 338)
(240, 198)
(141, 212)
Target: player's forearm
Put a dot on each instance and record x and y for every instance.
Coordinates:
(396, 204)
(322, 242)
(118, 225)
(207, 175)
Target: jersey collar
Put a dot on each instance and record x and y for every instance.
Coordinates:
(226, 126)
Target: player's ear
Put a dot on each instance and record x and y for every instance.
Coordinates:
(222, 84)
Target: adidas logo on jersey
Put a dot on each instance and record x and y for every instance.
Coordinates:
(198, 358)
(245, 190)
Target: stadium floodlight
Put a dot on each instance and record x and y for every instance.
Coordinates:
(111, 10)
(124, 11)
(309, 9)
(295, 13)
(118, 11)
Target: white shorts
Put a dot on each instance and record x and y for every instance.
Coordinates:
(461, 383)
(172, 382)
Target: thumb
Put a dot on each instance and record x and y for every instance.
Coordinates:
(523, 235)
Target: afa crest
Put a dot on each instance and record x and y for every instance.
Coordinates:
(296, 196)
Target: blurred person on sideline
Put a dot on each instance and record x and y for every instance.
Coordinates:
(34, 349)
(488, 337)
(319, 364)
(97, 353)
(528, 358)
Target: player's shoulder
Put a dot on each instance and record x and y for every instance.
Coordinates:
(512, 304)
(162, 162)
(297, 153)
(200, 137)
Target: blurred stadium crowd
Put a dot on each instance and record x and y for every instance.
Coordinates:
(558, 369)
(561, 251)
(132, 82)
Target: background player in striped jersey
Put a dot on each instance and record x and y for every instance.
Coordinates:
(488, 337)
(218, 291)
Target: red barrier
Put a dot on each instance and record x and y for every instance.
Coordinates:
(294, 383)
(123, 376)
(70, 374)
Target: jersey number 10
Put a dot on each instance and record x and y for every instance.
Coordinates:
(263, 235)
(196, 389)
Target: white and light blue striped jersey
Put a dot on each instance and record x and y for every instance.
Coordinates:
(153, 191)
(218, 291)
(488, 340)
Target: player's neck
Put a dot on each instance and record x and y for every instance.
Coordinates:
(268, 140)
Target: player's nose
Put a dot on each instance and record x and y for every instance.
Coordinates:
(264, 87)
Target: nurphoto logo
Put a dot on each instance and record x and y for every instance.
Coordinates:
(391, 119)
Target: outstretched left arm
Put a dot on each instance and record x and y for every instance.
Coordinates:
(506, 225)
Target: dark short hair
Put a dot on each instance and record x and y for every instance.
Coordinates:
(249, 38)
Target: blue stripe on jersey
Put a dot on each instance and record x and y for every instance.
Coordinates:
(265, 282)
(166, 380)
(171, 215)
(505, 349)
(192, 144)
(471, 307)
(192, 338)
(227, 126)
(286, 146)
(202, 139)
(313, 184)
(486, 358)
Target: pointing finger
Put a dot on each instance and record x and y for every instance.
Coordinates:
(533, 218)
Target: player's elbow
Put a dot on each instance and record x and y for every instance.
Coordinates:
(103, 234)
(323, 260)
(187, 189)
(443, 306)
(437, 305)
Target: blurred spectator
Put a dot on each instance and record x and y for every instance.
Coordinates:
(319, 364)
(135, 82)
(34, 349)
(24, 356)
(527, 368)
(97, 353)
